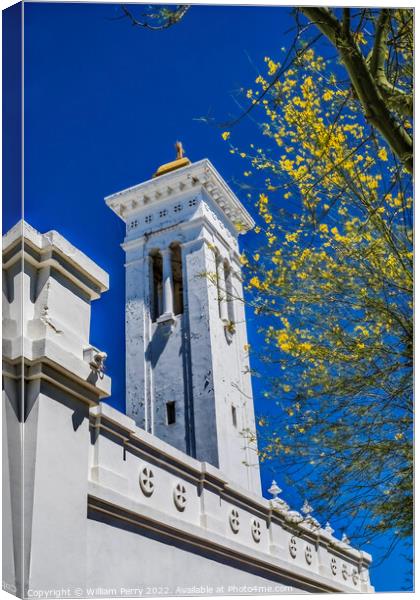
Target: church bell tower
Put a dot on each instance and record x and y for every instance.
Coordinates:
(187, 369)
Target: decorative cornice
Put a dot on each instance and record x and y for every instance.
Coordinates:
(47, 372)
(200, 175)
(44, 360)
(52, 249)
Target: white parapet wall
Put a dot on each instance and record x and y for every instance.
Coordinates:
(106, 508)
(145, 486)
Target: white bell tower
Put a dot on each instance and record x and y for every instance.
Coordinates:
(187, 373)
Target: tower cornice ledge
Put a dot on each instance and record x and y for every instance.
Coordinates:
(199, 175)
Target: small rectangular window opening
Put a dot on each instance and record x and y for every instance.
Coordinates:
(170, 413)
(234, 417)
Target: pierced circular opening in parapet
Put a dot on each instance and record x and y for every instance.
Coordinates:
(256, 530)
(234, 520)
(293, 547)
(180, 496)
(146, 481)
(308, 554)
(355, 576)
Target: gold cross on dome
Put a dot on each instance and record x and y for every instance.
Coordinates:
(179, 150)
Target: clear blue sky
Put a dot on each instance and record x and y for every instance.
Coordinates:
(104, 104)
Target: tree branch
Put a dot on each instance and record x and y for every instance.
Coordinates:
(346, 21)
(171, 19)
(376, 60)
(376, 109)
(397, 99)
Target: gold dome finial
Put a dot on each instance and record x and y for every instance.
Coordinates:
(180, 161)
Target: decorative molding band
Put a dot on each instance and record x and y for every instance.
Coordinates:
(107, 505)
(46, 369)
(148, 448)
(201, 174)
(52, 250)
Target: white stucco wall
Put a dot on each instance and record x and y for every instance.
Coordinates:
(97, 506)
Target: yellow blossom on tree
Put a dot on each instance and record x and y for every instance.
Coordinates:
(333, 276)
(382, 154)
